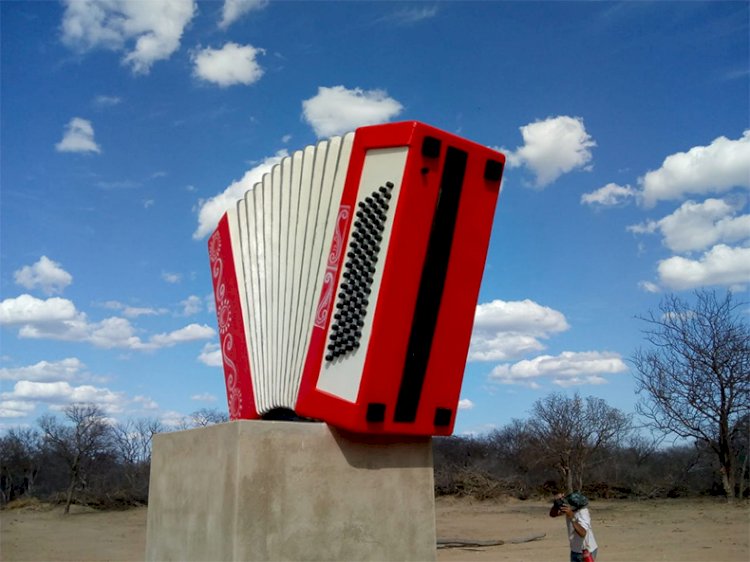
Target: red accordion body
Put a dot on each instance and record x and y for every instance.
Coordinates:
(378, 344)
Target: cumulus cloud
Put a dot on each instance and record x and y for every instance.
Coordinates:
(552, 148)
(211, 355)
(697, 226)
(337, 110)
(45, 371)
(78, 137)
(170, 277)
(58, 319)
(232, 64)
(611, 195)
(204, 397)
(235, 9)
(192, 332)
(62, 392)
(716, 168)
(567, 369)
(148, 31)
(45, 274)
(134, 311)
(508, 329)
(211, 210)
(721, 265)
(465, 404)
(26, 309)
(191, 305)
(15, 408)
(145, 403)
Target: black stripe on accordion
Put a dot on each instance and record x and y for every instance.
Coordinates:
(431, 286)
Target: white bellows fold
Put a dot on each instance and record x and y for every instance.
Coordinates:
(284, 225)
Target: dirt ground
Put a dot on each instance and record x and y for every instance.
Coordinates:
(669, 530)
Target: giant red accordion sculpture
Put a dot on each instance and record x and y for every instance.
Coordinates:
(346, 281)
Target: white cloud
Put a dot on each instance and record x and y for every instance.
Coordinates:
(45, 274)
(107, 101)
(58, 319)
(154, 28)
(114, 333)
(15, 408)
(507, 329)
(191, 305)
(192, 332)
(337, 110)
(205, 397)
(145, 403)
(697, 226)
(211, 210)
(610, 195)
(174, 419)
(649, 287)
(44, 371)
(235, 9)
(721, 265)
(26, 309)
(567, 369)
(62, 392)
(78, 137)
(232, 64)
(715, 168)
(134, 311)
(171, 277)
(410, 16)
(465, 404)
(552, 147)
(211, 355)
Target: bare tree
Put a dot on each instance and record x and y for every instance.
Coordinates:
(208, 416)
(20, 462)
(78, 443)
(694, 380)
(132, 445)
(132, 439)
(571, 431)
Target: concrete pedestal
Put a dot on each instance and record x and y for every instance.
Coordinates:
(262, 490)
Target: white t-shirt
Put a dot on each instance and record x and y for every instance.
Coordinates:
(577, 542)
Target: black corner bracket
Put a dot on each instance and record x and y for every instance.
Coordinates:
(493, 170)
(431, 147)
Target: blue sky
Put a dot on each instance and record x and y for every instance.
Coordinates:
(127, 126)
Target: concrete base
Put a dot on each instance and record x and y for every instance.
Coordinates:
(262, 490)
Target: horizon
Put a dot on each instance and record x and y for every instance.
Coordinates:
(127, 128)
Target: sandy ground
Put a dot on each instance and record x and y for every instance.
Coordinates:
(673, 530)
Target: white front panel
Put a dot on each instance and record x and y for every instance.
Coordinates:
(342, 375)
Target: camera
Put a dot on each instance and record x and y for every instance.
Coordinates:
(559, 503)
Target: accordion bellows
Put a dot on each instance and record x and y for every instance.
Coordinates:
(346, 281)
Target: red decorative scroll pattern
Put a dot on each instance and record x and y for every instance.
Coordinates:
(332, 266)
(224, 316)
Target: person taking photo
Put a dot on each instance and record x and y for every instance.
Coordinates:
(583, 547)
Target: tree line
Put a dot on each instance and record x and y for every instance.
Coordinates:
(85, 457)
(692, 379)
(693, 383)
(575, 443)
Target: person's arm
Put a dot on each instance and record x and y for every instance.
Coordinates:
(582, 524)
(579, 529)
